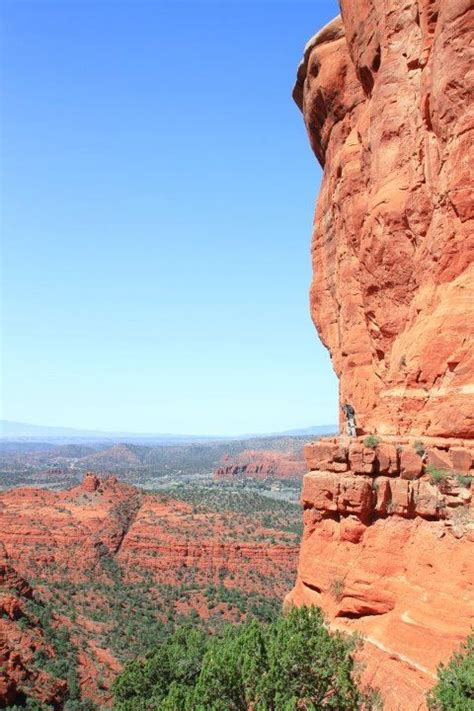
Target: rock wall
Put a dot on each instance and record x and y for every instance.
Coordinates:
(386, 93)
(261, 464)
(387, 552)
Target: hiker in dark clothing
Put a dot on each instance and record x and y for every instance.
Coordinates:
(350, 419)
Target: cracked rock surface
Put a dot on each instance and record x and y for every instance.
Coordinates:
(386, 92)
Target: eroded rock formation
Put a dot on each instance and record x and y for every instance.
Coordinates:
(75, 529)
(387, 551)
(87, 534)
(261, 464)
(386, 92)
(22, 638)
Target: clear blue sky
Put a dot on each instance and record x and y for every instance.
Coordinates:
(158, 191)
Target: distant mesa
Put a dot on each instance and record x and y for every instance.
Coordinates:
(262, 464)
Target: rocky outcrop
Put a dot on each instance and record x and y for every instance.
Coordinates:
(71, 529)
(387, 552)
(386, 92)
(22, 639)
(103, 531)
(261, 464)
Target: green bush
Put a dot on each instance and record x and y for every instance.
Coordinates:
(371, 441)
(291, 663)
(455, 688)
(437, 476)
(464, 480)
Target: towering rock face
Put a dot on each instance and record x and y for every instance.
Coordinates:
(386, 91)
(386, 94)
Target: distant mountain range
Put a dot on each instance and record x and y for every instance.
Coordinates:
(21, 431)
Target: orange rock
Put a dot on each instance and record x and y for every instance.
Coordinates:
(356, 457)
(384, 494)
(387, 458)
(320, 490)
(411, 464)
(262, 464)
(351, 529)
(461, 458)
(355, 496)
(20, 677)
(387, 98)
(401, 502)
(386, 95)
(405, 586)
(438, 459)
(60, 535)
(326, 455)
(91, 482)
(428, 500)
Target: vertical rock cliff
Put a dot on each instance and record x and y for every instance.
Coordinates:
(386, 92)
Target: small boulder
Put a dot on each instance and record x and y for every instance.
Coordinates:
(460, 458)
(411, 464)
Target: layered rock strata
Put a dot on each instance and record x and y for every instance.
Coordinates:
(386, 92)
(261, 464)
(387, 552)
(74, 530)
(84, 540)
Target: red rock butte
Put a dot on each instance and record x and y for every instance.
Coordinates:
(386, 93)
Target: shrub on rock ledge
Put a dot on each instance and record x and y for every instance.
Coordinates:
(455, 688)
(371, 441)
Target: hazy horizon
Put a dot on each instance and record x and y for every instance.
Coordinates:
(9, 426)
(158, 192)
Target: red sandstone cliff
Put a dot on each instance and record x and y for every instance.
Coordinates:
(261, 464)
(74, 529)
(387, 552)
(386, 92)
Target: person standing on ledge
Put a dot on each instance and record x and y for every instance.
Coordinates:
(350, 419)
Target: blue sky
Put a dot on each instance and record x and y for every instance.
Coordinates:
(158, 192)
